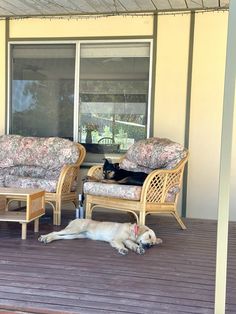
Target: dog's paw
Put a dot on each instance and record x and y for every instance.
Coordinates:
(40, 238)
(140, 250)
(43, 239)
(123, 251)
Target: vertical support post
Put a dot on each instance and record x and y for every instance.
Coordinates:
(188, 109)
(225, 164)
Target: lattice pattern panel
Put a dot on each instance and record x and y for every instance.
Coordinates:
(155, 190)
(161, 185)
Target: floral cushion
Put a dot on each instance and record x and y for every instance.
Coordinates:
(34, 162)
(128, 192)
(29, 182)
(49, 153)
(153, 153)
(31, 171)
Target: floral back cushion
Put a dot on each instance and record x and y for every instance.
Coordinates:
(153, 153)
(48, 153)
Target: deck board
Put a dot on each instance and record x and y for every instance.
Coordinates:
(85, 276)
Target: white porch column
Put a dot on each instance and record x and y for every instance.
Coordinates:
(225, 164)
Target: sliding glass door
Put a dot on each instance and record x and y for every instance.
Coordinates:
(97, 93)
(113, 90)
(42, 90)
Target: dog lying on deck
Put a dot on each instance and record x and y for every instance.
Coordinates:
(121, 236)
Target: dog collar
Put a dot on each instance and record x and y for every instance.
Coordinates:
(136, 227)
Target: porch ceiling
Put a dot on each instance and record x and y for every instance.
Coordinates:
(27, 8)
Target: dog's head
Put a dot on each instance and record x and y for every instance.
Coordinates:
(146, 237)
(109, 169)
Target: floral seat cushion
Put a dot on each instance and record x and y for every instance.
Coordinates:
(128, 192)
(153, 153)
(29, 182)
(30, 171)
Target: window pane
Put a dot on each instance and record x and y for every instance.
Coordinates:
(42, 92)
(113, 89)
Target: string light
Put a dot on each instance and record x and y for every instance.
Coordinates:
(112, 14)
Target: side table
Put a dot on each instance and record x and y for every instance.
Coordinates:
(35, 207)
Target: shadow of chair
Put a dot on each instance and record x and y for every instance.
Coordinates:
(159, 194)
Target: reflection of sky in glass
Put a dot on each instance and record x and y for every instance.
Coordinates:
(21, 101)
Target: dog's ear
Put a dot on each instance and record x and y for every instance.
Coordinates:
(142, 229)
(134, 229)
(158, 241)
(106, 163)
(116, 166)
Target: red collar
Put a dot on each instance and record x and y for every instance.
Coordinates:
(136, 228)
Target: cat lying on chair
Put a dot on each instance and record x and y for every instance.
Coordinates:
(121, 236)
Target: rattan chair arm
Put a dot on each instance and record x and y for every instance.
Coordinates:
(69, 173)
(68, 177)
(82, 154)
(96, 172)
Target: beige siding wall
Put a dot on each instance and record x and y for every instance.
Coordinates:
(170, 88)
(171, 76)
(206, 102)
(113, 26)
(2, 76)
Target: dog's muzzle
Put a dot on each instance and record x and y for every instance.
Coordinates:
(108, 174)
(146, 245)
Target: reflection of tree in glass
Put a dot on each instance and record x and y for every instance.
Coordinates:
(51, 110)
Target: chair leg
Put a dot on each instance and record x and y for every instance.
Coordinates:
(57, 214)
(179, 220)
(88, 210)
(75, 203)
(54, 212)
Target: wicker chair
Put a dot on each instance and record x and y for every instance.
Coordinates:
(159, 194)
(66, 187)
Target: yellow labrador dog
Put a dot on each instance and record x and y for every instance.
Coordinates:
(121, 236)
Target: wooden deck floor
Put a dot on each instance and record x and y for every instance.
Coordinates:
(89, 277)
